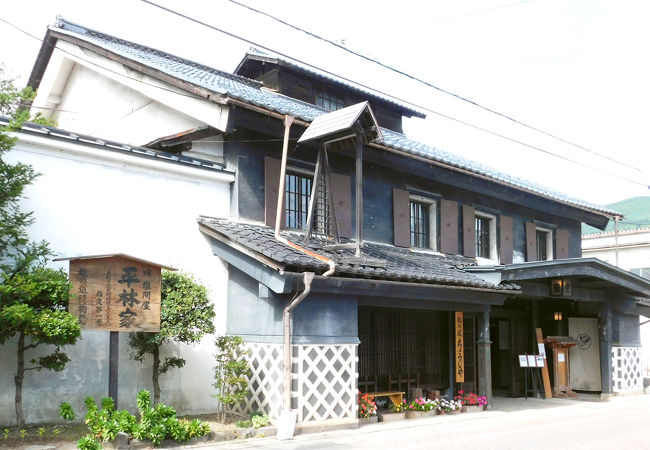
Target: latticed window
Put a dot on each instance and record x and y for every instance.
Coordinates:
(482, 227)
(419, 224)
(328, 101)
(297, 193)
(542, 245)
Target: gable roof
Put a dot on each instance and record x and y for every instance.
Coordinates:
(256, 54)
(241, 90)
(401, 264)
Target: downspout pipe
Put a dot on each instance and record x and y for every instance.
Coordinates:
(286, 327)
(307, 277)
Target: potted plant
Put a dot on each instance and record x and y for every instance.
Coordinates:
(367, 409)
(471, 402)
(445, 406)
(398, 412)
(421, 407)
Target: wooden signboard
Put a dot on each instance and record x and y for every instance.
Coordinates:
(460, 349)
(115, 293)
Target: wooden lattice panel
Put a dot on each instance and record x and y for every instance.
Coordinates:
(265, 380)
(326, 381)
(627, 369)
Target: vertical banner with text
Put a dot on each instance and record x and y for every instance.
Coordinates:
(460, 348)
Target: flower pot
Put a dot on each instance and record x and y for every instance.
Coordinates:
(472, 408)
(442, 413)
(415, 414)
(392, 417)
(431, 413)
(366, 420)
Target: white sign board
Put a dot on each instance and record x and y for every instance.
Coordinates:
(523, 361)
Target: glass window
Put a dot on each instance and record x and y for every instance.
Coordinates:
(419, 224)
(328, 101)
(482, 226)
(542, 253)
(297, 193)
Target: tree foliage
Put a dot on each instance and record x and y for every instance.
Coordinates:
(186, 315)
(230, 372)
(33, 298)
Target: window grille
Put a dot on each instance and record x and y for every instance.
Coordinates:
(328, 101)
(482, 237)
(419, 224)
(542, 248)
(297, 194)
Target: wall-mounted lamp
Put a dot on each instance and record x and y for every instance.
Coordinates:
(560, 287)
(557, 315)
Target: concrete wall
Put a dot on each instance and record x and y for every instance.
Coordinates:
(319, 319)
(94, 201)
(633, 251)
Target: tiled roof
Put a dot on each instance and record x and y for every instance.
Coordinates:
(251, 91)
(263, 54)
(58, 133)
(401, 263)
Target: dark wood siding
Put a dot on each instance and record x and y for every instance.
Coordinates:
(561, 243)
(505, 239)
(531, 241)
(342, 198)
(271, 184)
(410, 343)
(401, 218)
(449, 226)
(469, 231)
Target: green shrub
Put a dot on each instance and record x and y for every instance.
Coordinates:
(259, 419)
(244, 423)
(88, 443)
(66, 412)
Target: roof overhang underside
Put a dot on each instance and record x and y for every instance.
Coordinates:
(593, 280)
(414, 295)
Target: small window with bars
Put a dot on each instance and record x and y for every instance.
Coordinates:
(544, 241)
(328, 101)
(420, 224)
(482, 227)
(298, 189)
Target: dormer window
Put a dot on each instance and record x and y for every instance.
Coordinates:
(328, 101)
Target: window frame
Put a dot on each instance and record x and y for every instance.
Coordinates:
(305, 173)
(550, 254)
(323, 97)
(432, 207)
(492, 234)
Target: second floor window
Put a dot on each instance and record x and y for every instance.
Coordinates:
(328, 101)
(544, 241)
(297, 194)
(419, 224)
(482, 227)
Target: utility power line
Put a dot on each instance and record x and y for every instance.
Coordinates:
(431, 85)
(337, 76)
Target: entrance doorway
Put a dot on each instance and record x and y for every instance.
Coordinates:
(510, 336)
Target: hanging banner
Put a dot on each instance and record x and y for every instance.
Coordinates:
(460, 348)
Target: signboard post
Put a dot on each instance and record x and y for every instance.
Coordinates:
(115, 293)
(460, 349)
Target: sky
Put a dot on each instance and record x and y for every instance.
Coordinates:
(575, 69)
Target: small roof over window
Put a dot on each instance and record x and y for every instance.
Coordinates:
(340, 124)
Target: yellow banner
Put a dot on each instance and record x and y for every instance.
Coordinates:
(460, 349)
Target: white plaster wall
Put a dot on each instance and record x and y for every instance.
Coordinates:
(85, 205)
(633, 252)
(95, 105)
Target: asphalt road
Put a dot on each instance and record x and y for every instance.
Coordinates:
(623, 422)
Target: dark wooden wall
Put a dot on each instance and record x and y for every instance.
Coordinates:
(395, 342)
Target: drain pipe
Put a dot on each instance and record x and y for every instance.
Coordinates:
(288, 419)
(288, 120)
(286, 326)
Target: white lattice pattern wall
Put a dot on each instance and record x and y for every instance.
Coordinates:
(627, 368)
(326, 381)
(265, 381)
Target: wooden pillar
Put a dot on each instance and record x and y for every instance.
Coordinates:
(605, 328)
(484, 357)
(452, 354)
